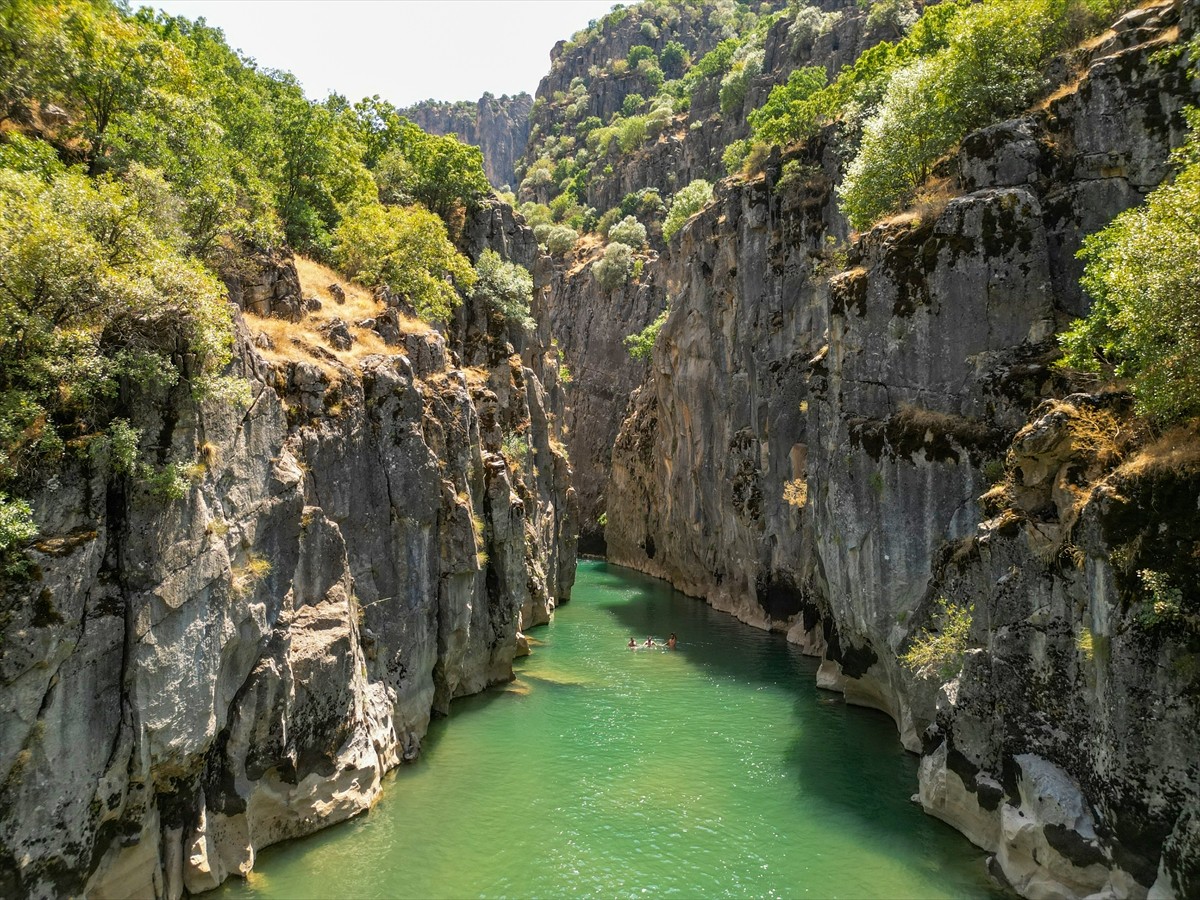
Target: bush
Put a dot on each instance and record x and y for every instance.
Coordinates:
(736, 83)
(560, 239)
(674, 59)
(899, 146)
(628, 231)
(641, 344)
(16, 524)
(685, 204)
(1143, 275)
(406, 249)
(639, 52)
(506, 287)
(784, 118)
(632, 103)
(734, 156)
(941, 653)
(613, 270)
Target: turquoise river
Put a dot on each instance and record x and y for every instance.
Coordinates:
(716, 770)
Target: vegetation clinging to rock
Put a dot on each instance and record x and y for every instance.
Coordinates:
(1143, 274)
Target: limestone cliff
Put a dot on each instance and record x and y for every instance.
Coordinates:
(186, 681)
(498, 126)
(822, 416)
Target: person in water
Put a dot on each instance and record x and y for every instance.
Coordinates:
(632, 644)
(649, 641)
(671, 641)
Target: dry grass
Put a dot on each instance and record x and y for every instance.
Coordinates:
(930, 202)
(477, 377)
(587, 250)
(305, 340)
(1176, 451)
(795, 493)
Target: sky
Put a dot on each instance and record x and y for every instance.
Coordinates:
(403, 51)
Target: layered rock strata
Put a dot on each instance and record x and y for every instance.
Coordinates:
(821, 418)
(185, 681)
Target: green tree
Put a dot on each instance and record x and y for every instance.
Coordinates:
(612, 271)
(506, 287)
(899, 145)
(686, 203)
(674, 59)
(641, 344)
(787, 116)
(628, 231)
(111, 66)
(321, 168)
(407, 250)
(441, 172)
(1143, 275)
(83, 260)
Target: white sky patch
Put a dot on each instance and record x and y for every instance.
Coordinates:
(403, 51)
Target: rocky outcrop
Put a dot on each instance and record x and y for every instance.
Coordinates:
(213, 661)
(822, 417)
(498, 126)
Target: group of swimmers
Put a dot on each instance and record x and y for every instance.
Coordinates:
(633, 644)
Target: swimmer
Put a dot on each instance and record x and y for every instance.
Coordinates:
(632, 644)
(649, 642)
(671, 641)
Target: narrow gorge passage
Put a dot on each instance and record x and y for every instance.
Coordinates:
(715, 770)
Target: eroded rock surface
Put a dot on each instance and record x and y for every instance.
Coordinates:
(821, 418)
(187, 681)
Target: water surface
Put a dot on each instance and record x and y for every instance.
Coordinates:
(716, 770)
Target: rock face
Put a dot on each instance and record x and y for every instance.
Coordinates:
(499, 126)
(187, 681)
(821, 418)
(590, 325)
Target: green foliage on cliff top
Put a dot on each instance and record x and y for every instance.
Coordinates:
(1143, 275)
(138, 151)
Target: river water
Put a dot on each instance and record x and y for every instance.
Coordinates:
(715, 770)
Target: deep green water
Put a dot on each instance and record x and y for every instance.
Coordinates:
(717, 770)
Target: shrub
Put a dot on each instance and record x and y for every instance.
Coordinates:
(632, 103)
(1143, 275)
(82, 259)
(674, 59)
(16, 523)
(941, 653)
(734, 156)
(639, 52)
(784, 118)
(899, 146)
(628, 231)
(687, 202)
(506, 287)
(641, 344)
(990, 66)
(613, 270)
(560, 239)
(736, 83)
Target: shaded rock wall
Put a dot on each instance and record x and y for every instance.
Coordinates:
(821, 418)
(187, 681)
